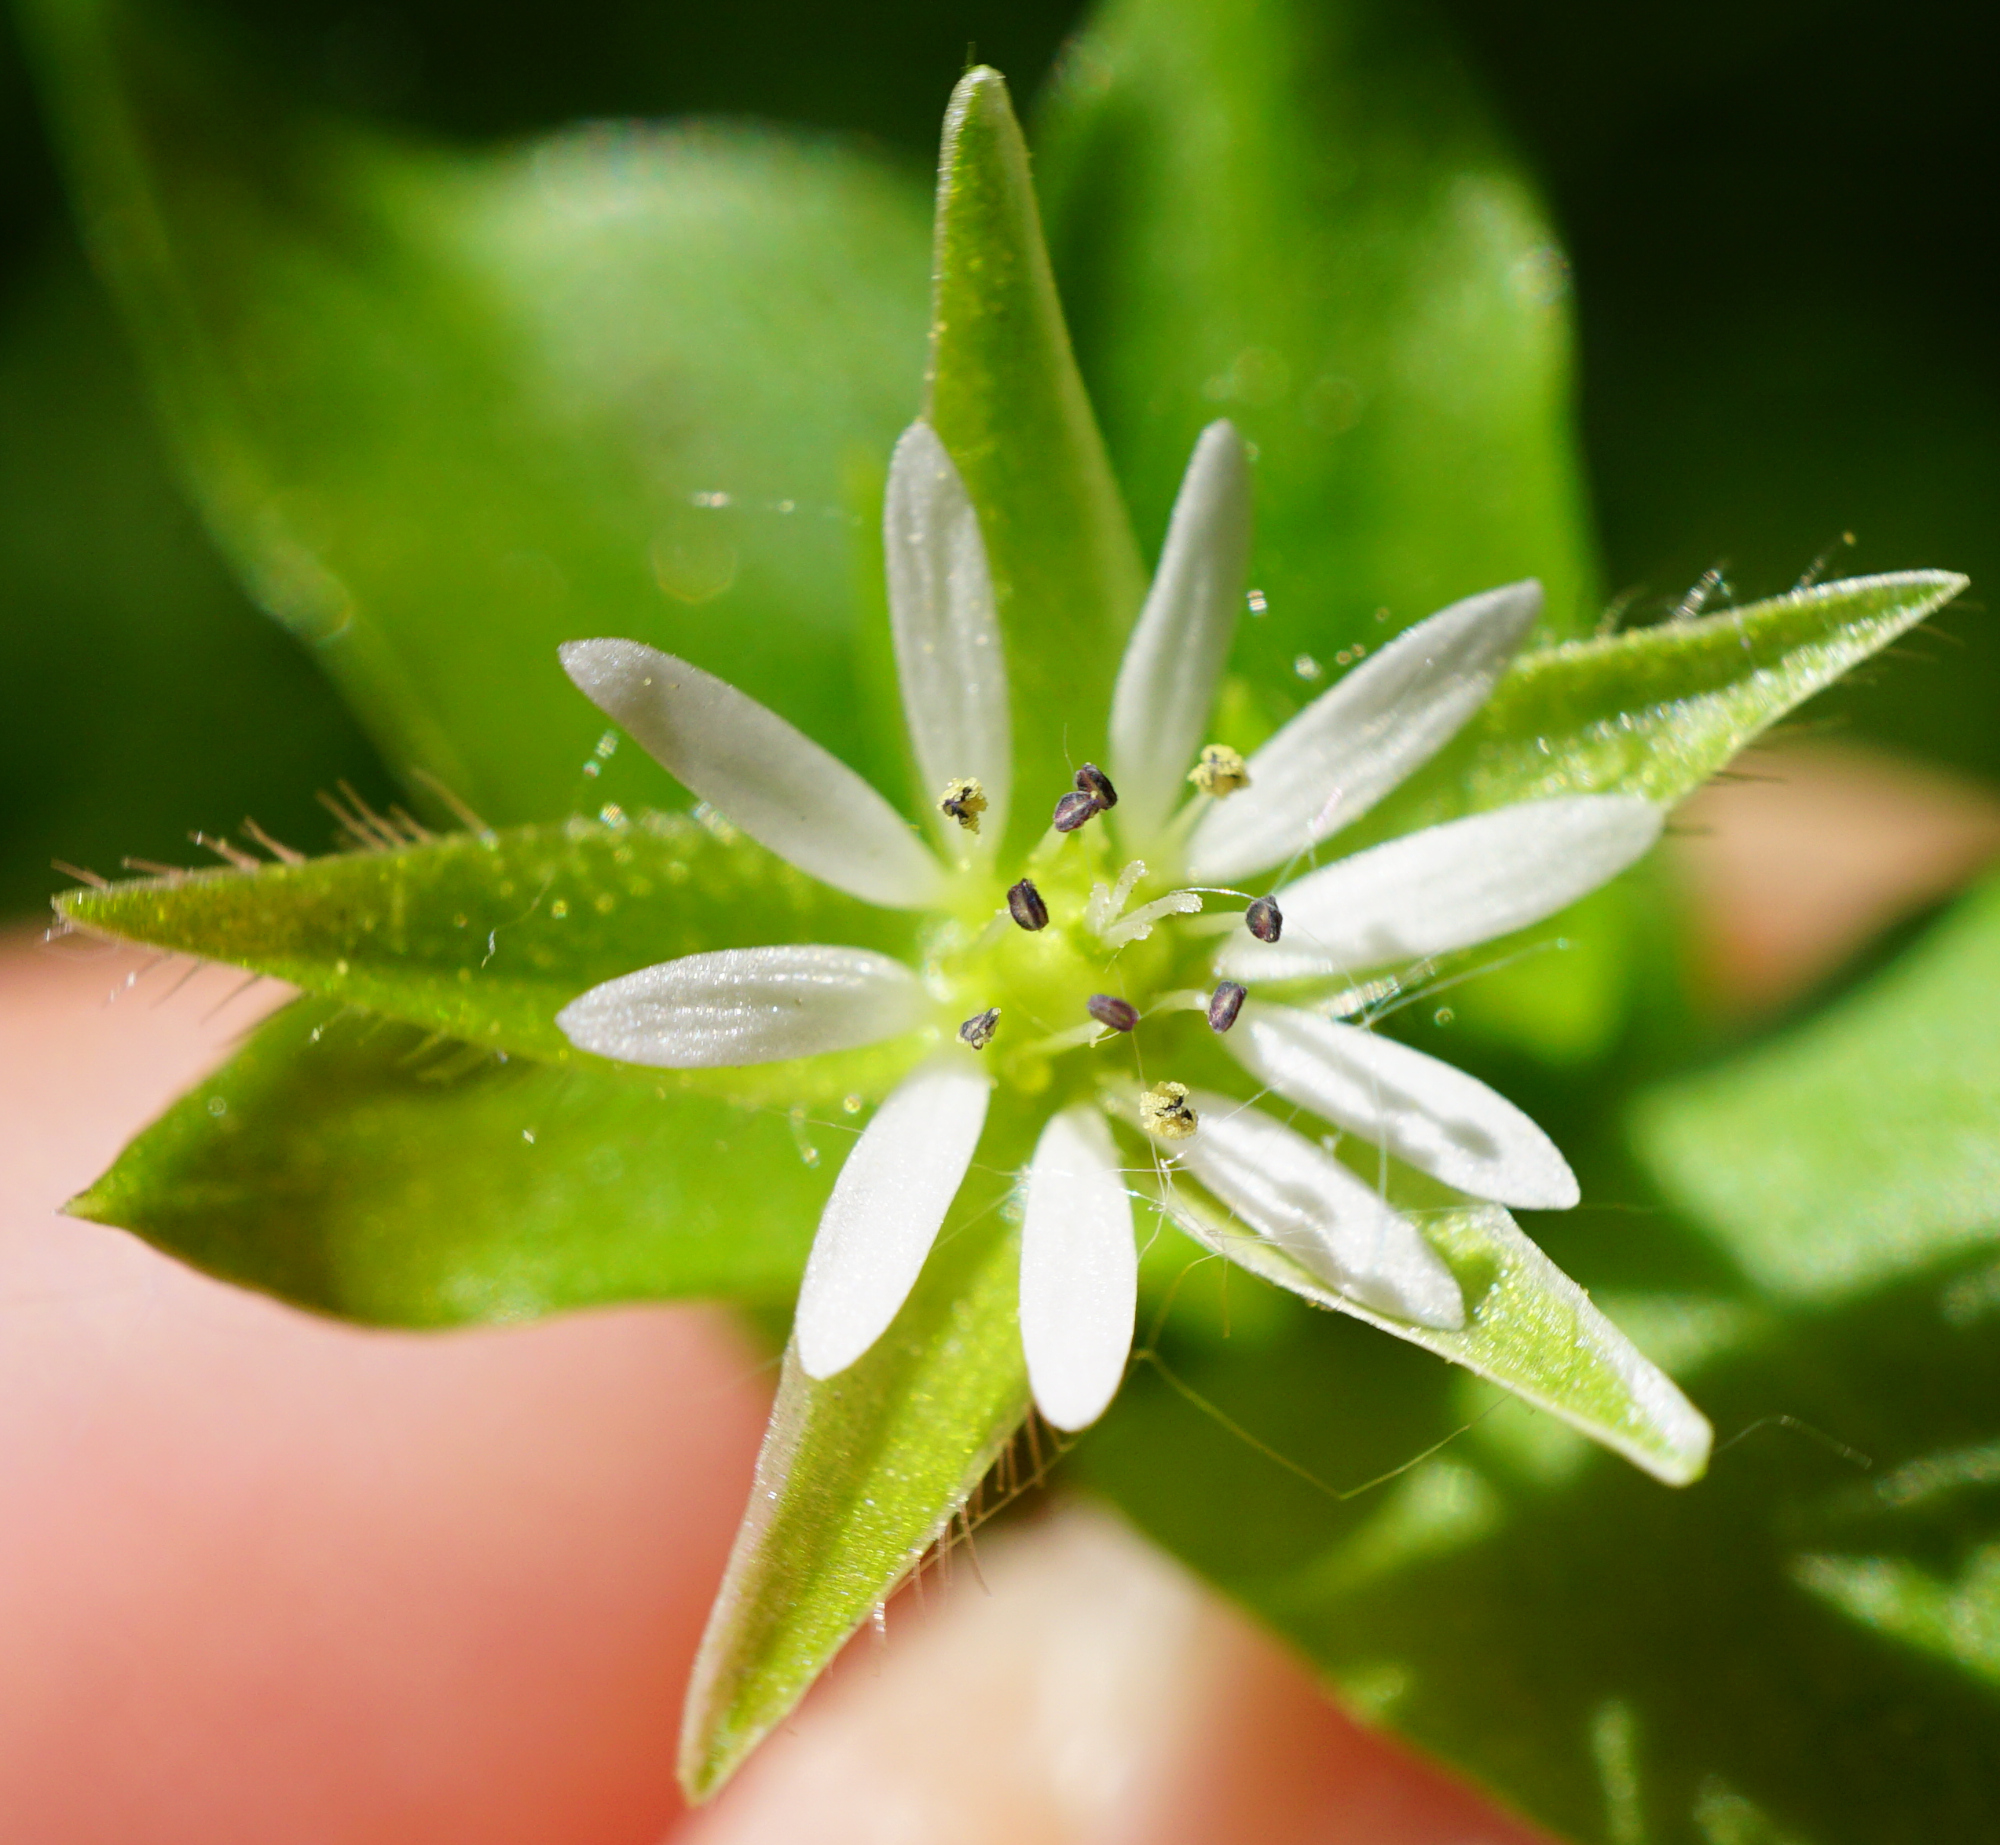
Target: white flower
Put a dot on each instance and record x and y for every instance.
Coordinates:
(1036, 968)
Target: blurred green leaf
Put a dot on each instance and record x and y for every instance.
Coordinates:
(1801, 1636)
(369, 1170)
(1528, 1328)
(486, 936)
(129, 650)
(1007, 400)
(1862, 1145)
(1298, 215)
(445, 411)
(1658, 711)
(1800, 1643)
(860, 1474)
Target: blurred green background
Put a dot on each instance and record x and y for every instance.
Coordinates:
(1784, 260)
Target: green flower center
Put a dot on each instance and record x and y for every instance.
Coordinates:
(1043, 982)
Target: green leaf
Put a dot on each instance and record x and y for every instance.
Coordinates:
(1298, 215)
(1658, 711)
(139, 649)
(1653, 712)
(1805, 1634)
(1007, 400)
(1799, 1646)
(859, 1475)
(486, 936)
(443, 411)
(1528, 1328)
(364, 1169)
(1863, 1145)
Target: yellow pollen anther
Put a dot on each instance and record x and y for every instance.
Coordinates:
(1220, 771)
(1164, 1112)
(964, 801)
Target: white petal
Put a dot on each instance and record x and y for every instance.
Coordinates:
(885, 1211)
(1079, 1270)
(771, 780)
(1166, 682)
(1352, 744)
(948, 652)
(747, 1005)
(1442, 1121)
(1448, 886)
(1319, 1213)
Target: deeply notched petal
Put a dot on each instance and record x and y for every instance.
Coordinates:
(770, 779)
(1449, 886)
(886, 1210)
(1328, 1221)
(1167, 680)
(1354, 743)
(947, 636)
(1079, 1270)
(1440, 1120)
(747, 1005)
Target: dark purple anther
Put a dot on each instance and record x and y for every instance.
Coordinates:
(1107, 1009)
(1223, 1006)
(1025, 905)
(978, 1030)
(1263, 919)
(1092, 780)
(1073, 810)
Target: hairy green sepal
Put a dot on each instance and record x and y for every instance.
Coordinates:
(374, 1171)
(859, 1475)
(484, 937)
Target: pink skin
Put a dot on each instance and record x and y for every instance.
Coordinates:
(266, 1577)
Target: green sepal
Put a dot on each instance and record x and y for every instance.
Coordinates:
(484, 937)
(1658, 711)
(859, 1475)
(1005, 396)
(1529, 1328)
(365, 1169)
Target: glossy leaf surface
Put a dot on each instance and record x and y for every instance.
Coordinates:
(369, 1170)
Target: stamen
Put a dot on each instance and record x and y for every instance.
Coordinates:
(1073, 810)
(1223, 1008)
(978, 1030)
(1092, 780)
(963, 800)
(1106, 902)
(1108, 1009)
(1220, 771)
(1073, 1039)
(1264, 919)
(1139, 925)
(1025, 905)
(1164, 1112)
